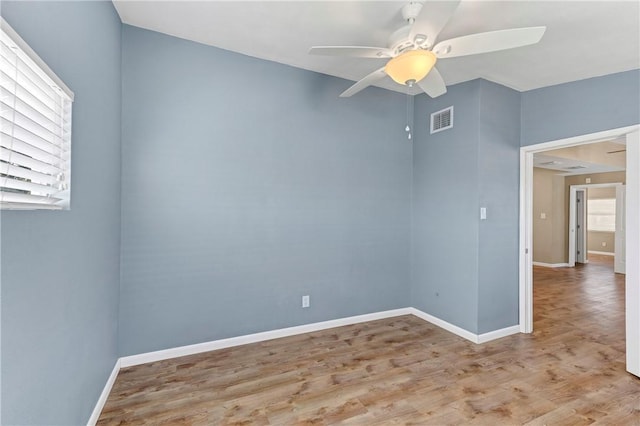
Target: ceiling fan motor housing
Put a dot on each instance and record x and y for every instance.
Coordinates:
(399, 40)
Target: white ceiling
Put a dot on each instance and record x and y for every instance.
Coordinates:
(599, 157)
(583, 38)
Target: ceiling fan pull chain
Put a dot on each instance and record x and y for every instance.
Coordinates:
(408, 128)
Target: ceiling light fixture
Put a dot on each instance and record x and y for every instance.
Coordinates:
(410, 67)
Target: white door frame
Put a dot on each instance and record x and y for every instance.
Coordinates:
(632, 253)
(573, 189)
(632, 235)
(620, 237)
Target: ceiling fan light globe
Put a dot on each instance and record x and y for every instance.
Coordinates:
(411, 66)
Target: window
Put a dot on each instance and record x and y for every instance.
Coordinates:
(601, 215)
(35, 133)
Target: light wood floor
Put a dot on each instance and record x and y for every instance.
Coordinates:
(406, 371)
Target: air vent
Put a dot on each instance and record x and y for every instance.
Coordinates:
(442, 120)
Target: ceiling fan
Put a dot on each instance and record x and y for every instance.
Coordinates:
(413, 51)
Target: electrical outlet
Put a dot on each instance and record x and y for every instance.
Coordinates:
(305, 301)
(604, 244)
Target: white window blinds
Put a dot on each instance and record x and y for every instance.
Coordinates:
(601, 215)
(35, 129)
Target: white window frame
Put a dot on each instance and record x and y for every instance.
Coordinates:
(35, 132)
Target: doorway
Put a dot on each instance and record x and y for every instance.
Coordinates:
(597, 210)
(632, 243)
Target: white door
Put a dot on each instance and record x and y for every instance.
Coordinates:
(619, 265)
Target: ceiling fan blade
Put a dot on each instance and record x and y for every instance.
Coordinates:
(365, 82)
(615, 152)
(488, 42)
(431, 20)
(352, 51)
(433, 84)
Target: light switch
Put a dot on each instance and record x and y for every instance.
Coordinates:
(587, 180)
(483, 213)
(543, 215)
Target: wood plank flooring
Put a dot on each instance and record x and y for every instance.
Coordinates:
(404, 371)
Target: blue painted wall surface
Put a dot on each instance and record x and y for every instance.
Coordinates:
(498, 191)
(580, 107)
(445, 209)
(247, 184)
(60, 270)
(465, 271)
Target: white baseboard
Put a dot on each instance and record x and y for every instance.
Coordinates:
(445, 325)
(475, 338)
(95, 415)
(143, 358)
(604, 253)
(551, 265)
(160, 355)
(128, 361)
(498, 334)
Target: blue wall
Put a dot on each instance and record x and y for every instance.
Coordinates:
(580, 107)
(445, 209)
(60, 270)
(498, 191)
(247, 184)
(465, 271)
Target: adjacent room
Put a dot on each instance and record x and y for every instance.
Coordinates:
(578, 245)
(354, 212)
